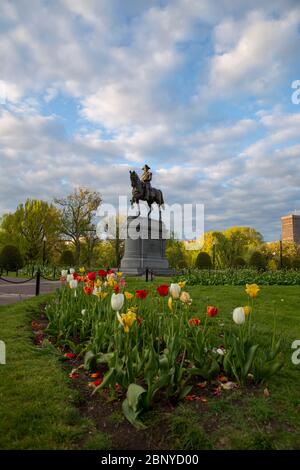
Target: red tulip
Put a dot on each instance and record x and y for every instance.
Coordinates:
(110, 271)
(211, 311)
(91, 276)
(70, 355)
(194, 322)
(102, 273)
(74, 375)
(117, 289)
(141, 293)
(163, 290)
(97, 382)
(88, 290)
(76, 276)
(35, 325)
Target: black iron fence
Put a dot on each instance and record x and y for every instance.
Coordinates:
(37, 276)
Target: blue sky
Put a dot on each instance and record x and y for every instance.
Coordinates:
(199, 90)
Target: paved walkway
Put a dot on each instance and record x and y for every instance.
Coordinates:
(11, 293)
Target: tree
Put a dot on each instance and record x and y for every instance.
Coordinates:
(88, 245)
(67, 258)
(175, 253)
(239, 262)
(115, 228)
(28, 226)
(232, 243)
(105, 254)
(203, 261)
(258, 260)
(78, 211)
(10, 258)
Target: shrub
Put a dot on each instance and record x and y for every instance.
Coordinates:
(11, 258)
(203, 261)
(182, 264)
(286, 262)
(239, 277)
(296, 263)
(67, 258)
(272, 265)
(257, 260)
(239, 262)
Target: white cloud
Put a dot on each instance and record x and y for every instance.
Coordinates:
(253, 53)
(133, 69)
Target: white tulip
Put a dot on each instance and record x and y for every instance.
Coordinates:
(117, 301)
(111, 276)
(83, 311)
(120, 319)
(96, 290)
(73, 283)
(64, 273)
(175, 290)
(238, 315)
(72, 271)
(70, 277)
(221, 351)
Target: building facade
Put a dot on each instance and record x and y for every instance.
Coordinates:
(290, 228)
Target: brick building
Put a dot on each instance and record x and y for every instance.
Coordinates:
(290, 228)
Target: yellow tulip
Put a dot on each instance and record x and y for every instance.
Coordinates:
(119, 274)
(98, 283)
(247, 310)
(132, 309)
(128, 295)
(112, 282)
(102, 295)
(182, 284)
(128, 319)
(82, 270)
(252, 290)
(170, 304)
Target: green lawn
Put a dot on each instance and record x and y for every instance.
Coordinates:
(38, 406)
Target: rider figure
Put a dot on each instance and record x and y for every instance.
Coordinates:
(146, 178)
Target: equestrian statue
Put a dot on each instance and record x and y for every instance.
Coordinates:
(143, 191)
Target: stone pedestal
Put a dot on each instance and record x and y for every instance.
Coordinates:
(145, 247)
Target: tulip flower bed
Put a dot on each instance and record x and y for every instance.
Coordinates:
(158, 344)
(239, 277)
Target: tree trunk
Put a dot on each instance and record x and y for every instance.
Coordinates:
(77, 255)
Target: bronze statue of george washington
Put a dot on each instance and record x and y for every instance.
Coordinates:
(143, 191)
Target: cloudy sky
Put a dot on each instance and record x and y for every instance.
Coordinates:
(199, 90)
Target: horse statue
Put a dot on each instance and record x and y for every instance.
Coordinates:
(138, 194)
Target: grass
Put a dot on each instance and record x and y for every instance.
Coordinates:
(253, 420)
(247, 419)
(12, 274)
(38, 406)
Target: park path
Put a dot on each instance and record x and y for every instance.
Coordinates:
(11, 293)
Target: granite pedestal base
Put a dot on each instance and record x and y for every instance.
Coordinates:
(145, 247)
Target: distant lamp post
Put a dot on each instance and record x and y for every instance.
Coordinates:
(214, 254)
(280, 254)
(44, 249)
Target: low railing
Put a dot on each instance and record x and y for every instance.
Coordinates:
(37, 277)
